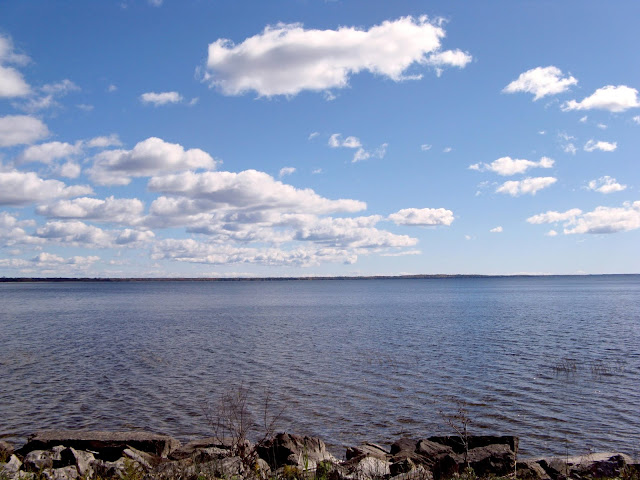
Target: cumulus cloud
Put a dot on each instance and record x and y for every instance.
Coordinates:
(162, 98)
(606, 184)
(22, 188)
(529, 186)
(68, 170)
(496, 230)
(425, 147)
(126, 211)
(592, 145)
(286, 171)
(48, 152)
(46, 96)
(336, 141)
(77, 233)
(636, 119)
(249, 189)
(286, 59)
(599, 220)
(12, 83)
(422, 217)
(612, 98)
(12, 230)
(190, 251)
(152, 156)
(21, 130)
(506, 166)
(362, 154)
(104, 141)
(541, 81)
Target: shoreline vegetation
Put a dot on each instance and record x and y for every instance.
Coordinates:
(281, 279)
(100, 455)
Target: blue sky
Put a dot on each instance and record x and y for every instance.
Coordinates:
(292, 138)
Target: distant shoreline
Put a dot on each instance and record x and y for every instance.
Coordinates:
(281, 279)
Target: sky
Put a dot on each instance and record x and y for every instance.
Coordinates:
(226, 138)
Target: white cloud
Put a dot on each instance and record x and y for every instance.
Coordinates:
(150, 157)
(104, 141)
(286, 59)
(48, 152)
(77, 233)
(636, 119)
(317, 171)
(606, 184)
(12, 230)
(554, 217)
(447, 150)
(162, 98)
(286, 171)
(20, 130)
(112, 88)
(551, 233)
(602, 126)
(362, 154)
(422, 216)
(190, 251)
(425, 147)
(22, 188)
(155, 3)
(126, 211)
(541, 81)
(599, 220)
(569, 148)
(527, 186)
(612, 98)
(584, 119)
(592, 145)
(50, 260)
(496, 230)
(68, 170)
(85, 107)
(46, 96)
(313, 135)
(249, 189)
(12, 83)
(511, 166)
(336, 141)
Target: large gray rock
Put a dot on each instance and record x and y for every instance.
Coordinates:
(211, 447)
(476, 441)
(38, 460)
(64, 473)
(6, 450)
(83, 461)
(12, 466)
(495, 459)
(595, 465)
(369, 468)
(107, 445)
(288, 449)
(367, 450)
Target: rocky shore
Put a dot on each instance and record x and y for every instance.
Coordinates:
(71, 455)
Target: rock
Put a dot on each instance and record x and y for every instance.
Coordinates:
(404, 447)
(430, 449)
(370, 468)
(367, 449)
(418, 473)
(531, 470)
(64, 473)
(104, 468)
(596, 465)
(6, 450)
(83, 461)
(107, 445)
(12, 466)
(145, 460)
(263, 470)
(476, 441)
(494, 459)
(404, 465)
(287, 449)
(191, 448)
(38, 460)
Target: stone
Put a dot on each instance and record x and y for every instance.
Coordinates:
(367, 449)
(404, 446)
(370, 468)
(595, 465)
(476, 441)
(38, 460)
(224, 447)
(430, 449)
(83, 461)
(107, 445)
(64, 473)
(493, 459)
(288, 449)
(418, 473)
(531, 470)
(404, 465)
(12, 466)
(6, 450)
(105, 468)
(145, 460)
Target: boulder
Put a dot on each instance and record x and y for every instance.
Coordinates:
(288, 449)
(531, 470)
(82, 461)
(106, 445)
(144, 459)
(223, 447)
(494, 459)
(6, 450)
(367, 449)
(476, 441)
(108, 469)
(64, 473)
(595, 465)
(12, 466)
(38, 460)
(367, 468)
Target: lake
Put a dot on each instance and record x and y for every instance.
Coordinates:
(555, 360)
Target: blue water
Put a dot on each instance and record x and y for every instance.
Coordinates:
(555, 360)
